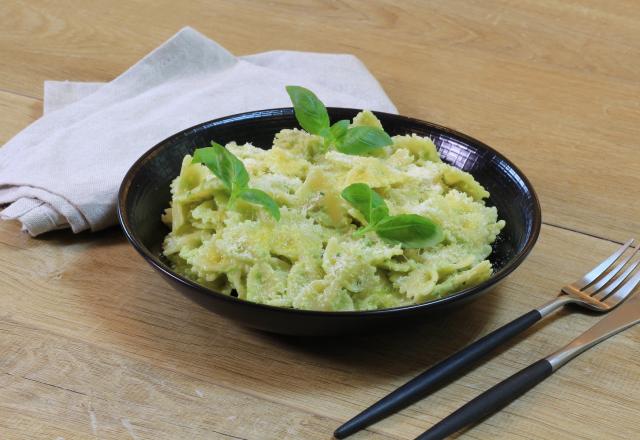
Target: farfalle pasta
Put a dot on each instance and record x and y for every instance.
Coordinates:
(310, 258)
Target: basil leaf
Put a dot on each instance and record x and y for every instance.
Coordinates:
(228, 168)
(410, 230)
(261, 198)
(363, 140)
(239, 174)
(309, 110)
(339, 129)
(231, 171)
(367, 201)
(326, 134)
(214, 159)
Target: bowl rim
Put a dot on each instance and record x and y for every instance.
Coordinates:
(282, 111)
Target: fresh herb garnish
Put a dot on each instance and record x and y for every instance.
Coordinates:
(231, 171)
(368, 202)
(259, 197)
(310, 111)
(313, 117)
(363, 140)
(339, 129)
(408, 230)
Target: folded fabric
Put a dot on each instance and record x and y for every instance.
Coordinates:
(64, 170)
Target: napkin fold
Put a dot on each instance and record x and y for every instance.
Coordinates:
(65, 169)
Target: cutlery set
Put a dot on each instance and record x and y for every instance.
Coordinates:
(601, 290)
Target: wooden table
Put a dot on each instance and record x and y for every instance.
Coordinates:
(93, 345)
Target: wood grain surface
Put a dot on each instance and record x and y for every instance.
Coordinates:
(93, 345)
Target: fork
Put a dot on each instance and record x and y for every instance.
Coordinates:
(601, 290)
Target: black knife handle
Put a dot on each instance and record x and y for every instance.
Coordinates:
(490, 401)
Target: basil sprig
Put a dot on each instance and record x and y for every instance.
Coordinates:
(309, 110)
(231, 171)
(408, 230)
(368, 202)
(313, 117)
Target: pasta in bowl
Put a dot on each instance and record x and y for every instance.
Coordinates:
(145, 195)
(311, 255)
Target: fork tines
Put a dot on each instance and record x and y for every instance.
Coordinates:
(612, 280)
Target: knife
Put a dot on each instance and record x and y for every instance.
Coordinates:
(494, 399)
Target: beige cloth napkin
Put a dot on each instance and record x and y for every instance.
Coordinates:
(64, 170)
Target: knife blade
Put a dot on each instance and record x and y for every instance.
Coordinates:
(619, 319)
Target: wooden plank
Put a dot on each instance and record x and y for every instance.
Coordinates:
(595, 38)
(74, 298)
(60, 387)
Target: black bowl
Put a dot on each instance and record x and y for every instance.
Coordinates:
(144, 195)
